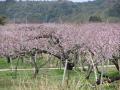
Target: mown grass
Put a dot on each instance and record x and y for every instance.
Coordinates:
(42, 61)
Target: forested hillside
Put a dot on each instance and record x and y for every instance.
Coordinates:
(59, 11)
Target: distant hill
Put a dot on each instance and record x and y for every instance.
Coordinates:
(56, 11)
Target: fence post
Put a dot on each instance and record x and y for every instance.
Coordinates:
(64, 74)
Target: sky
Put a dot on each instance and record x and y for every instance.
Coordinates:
(80, 0)
(69, 0)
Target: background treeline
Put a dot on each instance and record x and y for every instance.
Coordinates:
(60, 11)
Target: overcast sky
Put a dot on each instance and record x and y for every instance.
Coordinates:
(69, 0)
(81, 0)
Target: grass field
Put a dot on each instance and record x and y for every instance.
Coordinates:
(50, 79)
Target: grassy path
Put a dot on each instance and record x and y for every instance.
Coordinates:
(29, 69)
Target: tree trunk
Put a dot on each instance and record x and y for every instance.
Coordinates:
(35, 65)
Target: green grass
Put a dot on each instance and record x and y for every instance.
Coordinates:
(41, 62)
(3, 63)
(48, 79)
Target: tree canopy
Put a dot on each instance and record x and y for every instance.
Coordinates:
(57, 11)
(115, 10)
